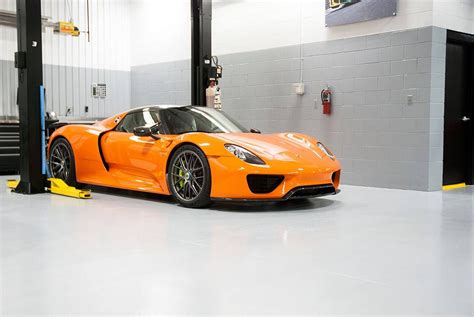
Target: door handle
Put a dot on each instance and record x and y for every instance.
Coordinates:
(466, 119)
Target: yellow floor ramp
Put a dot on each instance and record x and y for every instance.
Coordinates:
(59, 187)
(454, 186)
(12, 183)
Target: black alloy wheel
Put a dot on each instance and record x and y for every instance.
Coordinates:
(189, 177)
(61, 162)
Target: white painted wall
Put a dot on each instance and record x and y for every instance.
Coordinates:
(140, 32)
(273, 23)
(110, 34)
(161, 28)
(161, 31)
(455, 15)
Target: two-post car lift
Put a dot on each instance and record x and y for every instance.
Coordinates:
(29, 62)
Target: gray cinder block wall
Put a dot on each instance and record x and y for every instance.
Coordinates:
(70, 87)
(162, 83)
(381, 139)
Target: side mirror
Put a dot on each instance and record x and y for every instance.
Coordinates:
(255, 131)
(144, 131)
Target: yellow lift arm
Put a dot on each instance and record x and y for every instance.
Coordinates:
(59, 187)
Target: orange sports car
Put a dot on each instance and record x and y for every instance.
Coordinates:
(195, 154)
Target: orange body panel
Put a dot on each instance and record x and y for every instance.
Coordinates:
(140, 163)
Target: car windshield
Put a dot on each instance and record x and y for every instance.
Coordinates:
(198, 119)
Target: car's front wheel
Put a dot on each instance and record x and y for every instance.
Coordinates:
(189, 177)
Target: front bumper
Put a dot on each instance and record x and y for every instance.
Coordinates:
(319, 191)
(229, 179)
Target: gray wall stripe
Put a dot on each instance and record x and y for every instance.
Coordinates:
(70, 87)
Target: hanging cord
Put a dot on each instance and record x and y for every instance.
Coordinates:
(69, 10)
(88, 23)
(215, 61)
(301, 41)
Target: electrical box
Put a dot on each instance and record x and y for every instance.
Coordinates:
(298, 89)
(99, 90)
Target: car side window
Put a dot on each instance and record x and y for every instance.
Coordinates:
(138, 119)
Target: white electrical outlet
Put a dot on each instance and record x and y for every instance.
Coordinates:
(410, 100)
(298, 89)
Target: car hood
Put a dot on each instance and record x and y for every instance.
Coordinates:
(290, 147)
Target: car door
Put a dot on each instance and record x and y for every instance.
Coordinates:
(136, 163)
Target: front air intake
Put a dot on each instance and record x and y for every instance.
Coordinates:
(263, 184)
(312, 191)
(336, 178)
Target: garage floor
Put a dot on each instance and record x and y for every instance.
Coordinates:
(364, 251)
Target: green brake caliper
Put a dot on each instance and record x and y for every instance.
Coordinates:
(181, 182)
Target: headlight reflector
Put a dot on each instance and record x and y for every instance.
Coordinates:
(326, 151)
(243, 154)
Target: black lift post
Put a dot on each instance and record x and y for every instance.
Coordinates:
(201, 49)
(29, 62)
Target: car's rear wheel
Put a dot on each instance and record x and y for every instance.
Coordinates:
(189, 177)
(61, 162)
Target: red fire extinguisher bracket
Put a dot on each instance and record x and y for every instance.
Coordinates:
(326, 98)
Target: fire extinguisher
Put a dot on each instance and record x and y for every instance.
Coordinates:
(326, 96)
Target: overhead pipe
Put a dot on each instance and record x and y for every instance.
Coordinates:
(8, 18)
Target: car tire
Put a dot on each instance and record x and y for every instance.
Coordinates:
(189, 177)
(62, 155)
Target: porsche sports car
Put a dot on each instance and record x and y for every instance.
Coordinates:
(195, 154)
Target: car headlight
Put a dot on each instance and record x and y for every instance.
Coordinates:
(326, 151)
(243, 154)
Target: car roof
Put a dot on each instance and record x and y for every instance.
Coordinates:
(156, 107)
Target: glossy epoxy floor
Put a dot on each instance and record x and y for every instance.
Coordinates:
(364, 251)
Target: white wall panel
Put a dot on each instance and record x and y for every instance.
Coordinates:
(110, 34)
(8, 74)
(7, 34)
(71, 65)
